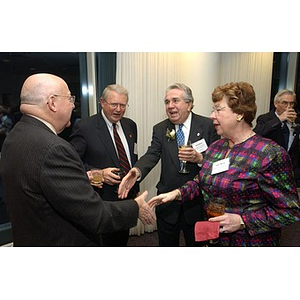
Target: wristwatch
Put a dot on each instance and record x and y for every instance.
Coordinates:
(242, 224)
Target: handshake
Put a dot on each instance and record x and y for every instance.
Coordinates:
(146, 213)
(146, 210)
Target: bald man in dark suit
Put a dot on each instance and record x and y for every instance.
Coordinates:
(48, 193)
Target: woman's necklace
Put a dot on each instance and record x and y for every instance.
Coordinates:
(251, 134)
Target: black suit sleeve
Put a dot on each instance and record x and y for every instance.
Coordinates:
(67, 188)
(264, 126)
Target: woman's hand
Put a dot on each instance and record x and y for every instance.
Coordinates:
(228, 222)
(163, 198)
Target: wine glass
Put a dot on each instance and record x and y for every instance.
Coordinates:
(183, 169)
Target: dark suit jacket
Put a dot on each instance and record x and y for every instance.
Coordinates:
(92, 140)
(49, 197)
(170, 178)
(268, 125)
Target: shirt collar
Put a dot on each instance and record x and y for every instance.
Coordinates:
(50, 126)
(108, 123)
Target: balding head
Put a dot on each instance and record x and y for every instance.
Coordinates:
(46, 96)
(38, 87)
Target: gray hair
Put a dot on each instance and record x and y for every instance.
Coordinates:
(284, 92)
(114, 88)
(187, 92)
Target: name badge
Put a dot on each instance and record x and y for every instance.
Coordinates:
(200, 146)
(220, 166)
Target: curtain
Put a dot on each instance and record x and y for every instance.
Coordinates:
(252, 67)
(146, 75)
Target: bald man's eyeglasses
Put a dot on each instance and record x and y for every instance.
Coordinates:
(71, 98)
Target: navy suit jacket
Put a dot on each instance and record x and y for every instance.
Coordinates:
(48, 194)
(269, 125)
(92, 140)
(167, 151)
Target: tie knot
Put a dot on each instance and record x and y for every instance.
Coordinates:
(180, 126)
(114, 125)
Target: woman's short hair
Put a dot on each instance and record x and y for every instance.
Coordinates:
(240, 97)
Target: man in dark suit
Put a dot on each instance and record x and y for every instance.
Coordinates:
(49, 196)
(280, 125)
(174, 217)
(94, 140)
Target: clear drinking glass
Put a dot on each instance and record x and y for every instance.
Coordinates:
(215, 208)
(183, 168)
(96, 176)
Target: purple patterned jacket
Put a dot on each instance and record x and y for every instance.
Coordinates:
(259, 185)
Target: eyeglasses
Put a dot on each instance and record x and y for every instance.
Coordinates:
(71, 98)
(286, 103)
(115, 105)
(217, 110)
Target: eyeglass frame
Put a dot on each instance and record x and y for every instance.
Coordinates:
(217, 110)
(72, 98)
(286, 103)
(115, 105)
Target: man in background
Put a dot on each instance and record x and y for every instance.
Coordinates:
(281, 125)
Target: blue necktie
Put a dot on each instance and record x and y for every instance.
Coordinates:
(180, 136)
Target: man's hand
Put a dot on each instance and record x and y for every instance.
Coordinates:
(288, 114)
(128, 182)
(110, 177)
(190, 154)
(146, 214)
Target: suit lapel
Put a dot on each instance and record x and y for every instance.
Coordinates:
(171, 145)
(196, 131)
(129, 137)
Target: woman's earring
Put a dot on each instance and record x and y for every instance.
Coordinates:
(240, 118)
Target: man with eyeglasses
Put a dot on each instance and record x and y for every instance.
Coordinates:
(97, 140)
(281, 125)
(48, 193)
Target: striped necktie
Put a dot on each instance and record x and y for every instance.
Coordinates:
(124, 163)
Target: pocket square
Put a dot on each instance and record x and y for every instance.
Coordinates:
(205, 230)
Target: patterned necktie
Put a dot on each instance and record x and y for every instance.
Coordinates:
(286, 134)
(180, 136)
(124, 163)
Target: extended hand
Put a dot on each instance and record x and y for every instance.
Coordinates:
(146, 214)
(163, 198)
(128, 182)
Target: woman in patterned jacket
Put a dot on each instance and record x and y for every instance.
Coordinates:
(253, 174)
